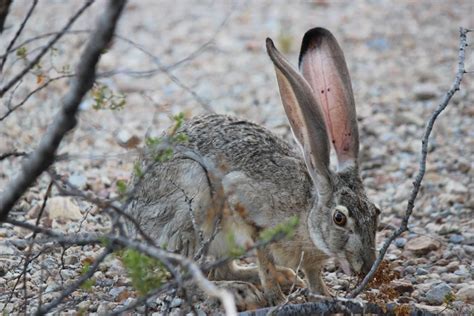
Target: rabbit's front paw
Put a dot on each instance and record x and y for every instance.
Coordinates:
(287, 277)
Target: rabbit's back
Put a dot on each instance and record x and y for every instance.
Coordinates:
(261, 172)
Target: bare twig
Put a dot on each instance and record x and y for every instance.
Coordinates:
(18, 32)
(41, 36)
(422, 164)
(12, 154)
(4, 7)
(30, 247)
(74, 286)
(65, 120)
(168, 73)
(45, 49)
(11, 109)
(102, 203)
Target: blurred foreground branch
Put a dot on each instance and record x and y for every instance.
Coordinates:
(4, 8)
(422, 164)
(65, 120)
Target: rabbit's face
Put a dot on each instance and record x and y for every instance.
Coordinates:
(347, 229)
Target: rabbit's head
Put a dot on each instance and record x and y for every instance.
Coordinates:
(319, 104)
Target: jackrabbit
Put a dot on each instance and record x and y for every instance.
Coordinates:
(266, 182)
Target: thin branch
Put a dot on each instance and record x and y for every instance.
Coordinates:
(65, 120)
(102, 203)
(41, 36)
(74, 286)
(18, 32)
(168, 73)
(45, 49)
(12, 109)
(30, 247)
(422, 164)
(12, 154)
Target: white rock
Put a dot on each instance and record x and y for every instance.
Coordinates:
(63, 207)
(437, 293)
(6, 250)
(425, 92)
(466, 294)
(456, 187)
(78, 180)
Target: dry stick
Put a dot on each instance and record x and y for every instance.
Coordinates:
(292, 293)
(102, 203)
(74, 286)
(18, 32)
(12, 154)
(422, 166)
(168, 73)
(41, 36)
(45, 49)
(65, 120)
(30, 247)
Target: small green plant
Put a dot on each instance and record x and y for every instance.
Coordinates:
(234, 249)
(449, 299)
(173, 138)
(89, 283)
(21, 52)
(121, 187)
(282, 230)
(137, 169)
(105, 98)
(146, 273)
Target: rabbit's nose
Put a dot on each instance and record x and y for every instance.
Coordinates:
(368, 261)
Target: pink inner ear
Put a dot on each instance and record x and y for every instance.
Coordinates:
(321, 72)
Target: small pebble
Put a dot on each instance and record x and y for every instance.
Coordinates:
(456, 239)
(409, 270)
(400, 242)
(421, 271)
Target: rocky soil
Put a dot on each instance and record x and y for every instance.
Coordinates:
(402, 58)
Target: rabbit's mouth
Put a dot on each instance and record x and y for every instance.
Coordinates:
(344, 264)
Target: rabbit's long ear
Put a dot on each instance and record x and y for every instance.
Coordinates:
(323, 66)
(306, 118)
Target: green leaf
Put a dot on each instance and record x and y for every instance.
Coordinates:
(282, 230)
(146, 273)
(137, 169)
(121, 187)
(21, 52)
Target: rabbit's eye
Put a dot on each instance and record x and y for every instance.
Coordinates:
(339, 218)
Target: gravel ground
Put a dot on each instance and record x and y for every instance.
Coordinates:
(402, 58)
